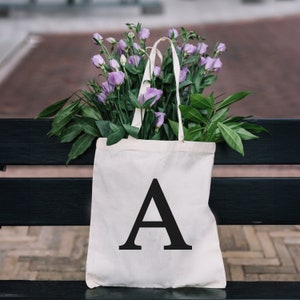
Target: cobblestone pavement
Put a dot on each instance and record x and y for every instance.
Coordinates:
(250, 252)
(263, 56)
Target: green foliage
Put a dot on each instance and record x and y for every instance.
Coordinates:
(106, 107)
(212, 123)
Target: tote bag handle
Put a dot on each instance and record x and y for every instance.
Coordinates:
(139, 113)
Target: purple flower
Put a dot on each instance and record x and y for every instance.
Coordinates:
(189, 49)
(160, 118)
(97, 38)
(136, 46)
(134, 60)
(221, 47)
(218, 64)
(102, 97)
(144, 33)
(116, 78)
(182, 75)
(213, 64)
(97, 60)
(114, 64)
(201, 48)
(156, 71)
(172, 33)
(203, 61)
(122, 46)
(150, 93)
(107, 88)
(209, 63)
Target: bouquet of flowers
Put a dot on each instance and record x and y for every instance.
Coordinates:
(107, 106)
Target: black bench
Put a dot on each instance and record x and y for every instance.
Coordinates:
(66, 201)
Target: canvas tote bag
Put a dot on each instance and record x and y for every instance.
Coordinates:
(151, 225)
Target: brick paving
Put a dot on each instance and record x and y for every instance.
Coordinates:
(263, 56)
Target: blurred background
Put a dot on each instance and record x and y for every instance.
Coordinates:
(45, 47)
(45, 51)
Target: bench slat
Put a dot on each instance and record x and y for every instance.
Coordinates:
(77, 290)
(66, 201)
(30, 144)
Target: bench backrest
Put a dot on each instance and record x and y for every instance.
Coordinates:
(66, 201)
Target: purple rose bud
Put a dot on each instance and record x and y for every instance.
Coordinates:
(107, 88)
(102, 97)
(121, 47)
(217, 65)
(116, 78)
(203, 61)
(122, 44)
(182, 75)
(97, 38)
(97, 60)
(156, 71)
(160, 118)
(201, 48)
(172, 33)
(114, 64)
(221, 47)
(189, 49)
(136, 46)
(150, 93)
(134, 60)
(144, 33)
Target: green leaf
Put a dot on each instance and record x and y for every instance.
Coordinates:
(191, 60)
(116, 135)
(201, 102)
(87, 95)
(220, 115)
(194, 133)
(70, 133)
(174, 126)
(89, 126)
(192, 114)
(131, 130)
(168, 78)
(255, 128)
(231, 138)
(103, 127)
(52, 109)
(134, 100)
(63, 117)
(208, 80)
(90, 112)
(231, 99)
(185, 83)
(81, 145)
(131, 69)
(245, 134)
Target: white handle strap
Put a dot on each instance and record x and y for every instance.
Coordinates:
(139, 113)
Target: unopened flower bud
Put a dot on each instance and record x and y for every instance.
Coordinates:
(97, 38)
(123, 60)
(111, 40)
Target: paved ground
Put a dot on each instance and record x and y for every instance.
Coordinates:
(263, 56)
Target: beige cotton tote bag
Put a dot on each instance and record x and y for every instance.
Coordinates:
(151, 226)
